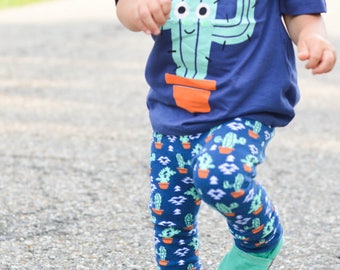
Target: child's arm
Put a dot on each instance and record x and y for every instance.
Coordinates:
(308, 32)
(143, 15)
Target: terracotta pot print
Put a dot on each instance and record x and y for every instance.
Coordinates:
(258, 211)
(190, 94)
(247, 168)
(158, 212)
(189, 228)
(158, 145)
(225, 150)
(198, 202)
(207, 139)
(203, 173)
(237, 194)
(182, 170)
(163, 185)
(252, 134)
(163, 262)
(186, 145)
(258, 229)
(229, 214)
(259, 244)
(167, 241)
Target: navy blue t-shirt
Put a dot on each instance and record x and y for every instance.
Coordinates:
(217, 60)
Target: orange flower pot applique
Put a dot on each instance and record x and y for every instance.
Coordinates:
(191, 95)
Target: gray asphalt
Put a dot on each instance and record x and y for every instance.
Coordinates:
(74, 139)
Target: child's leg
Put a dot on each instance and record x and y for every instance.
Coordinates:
(174, 203)
(224, 175)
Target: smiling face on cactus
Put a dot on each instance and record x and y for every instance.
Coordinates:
(194, 27)
(186, 20)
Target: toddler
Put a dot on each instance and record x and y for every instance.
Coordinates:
(222, 77)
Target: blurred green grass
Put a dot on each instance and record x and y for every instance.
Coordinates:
(13, 3)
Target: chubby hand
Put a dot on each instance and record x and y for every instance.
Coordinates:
(318, 52)
(152, 14)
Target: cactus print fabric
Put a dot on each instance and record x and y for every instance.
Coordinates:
(219, 168)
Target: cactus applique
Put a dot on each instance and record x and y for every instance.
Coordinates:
(164, 177)
(194, 28)
(256, 128)
(227, 210)
(238, 192)
(228, 142)
(205, 162)
(168, 234)
(248, 162)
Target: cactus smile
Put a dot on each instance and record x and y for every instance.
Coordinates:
(190, 32)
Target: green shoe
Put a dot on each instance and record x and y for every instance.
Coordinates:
(237, 259)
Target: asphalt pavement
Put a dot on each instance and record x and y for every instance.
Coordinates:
(74, 140)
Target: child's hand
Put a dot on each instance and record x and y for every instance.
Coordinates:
(151, 14)
(319, 53)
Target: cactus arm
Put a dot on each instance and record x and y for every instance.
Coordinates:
(239, 28)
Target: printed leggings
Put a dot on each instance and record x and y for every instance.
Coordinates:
(218, 167)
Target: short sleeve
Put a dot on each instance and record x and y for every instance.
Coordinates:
(299, 7)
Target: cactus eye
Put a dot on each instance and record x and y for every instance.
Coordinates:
(202, 11)
(181, 10)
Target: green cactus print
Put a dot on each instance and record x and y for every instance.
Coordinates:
(221, 180)
(256, 128)
(193, 24)
(227, 210)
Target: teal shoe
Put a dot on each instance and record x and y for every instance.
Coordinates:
(237, 259)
